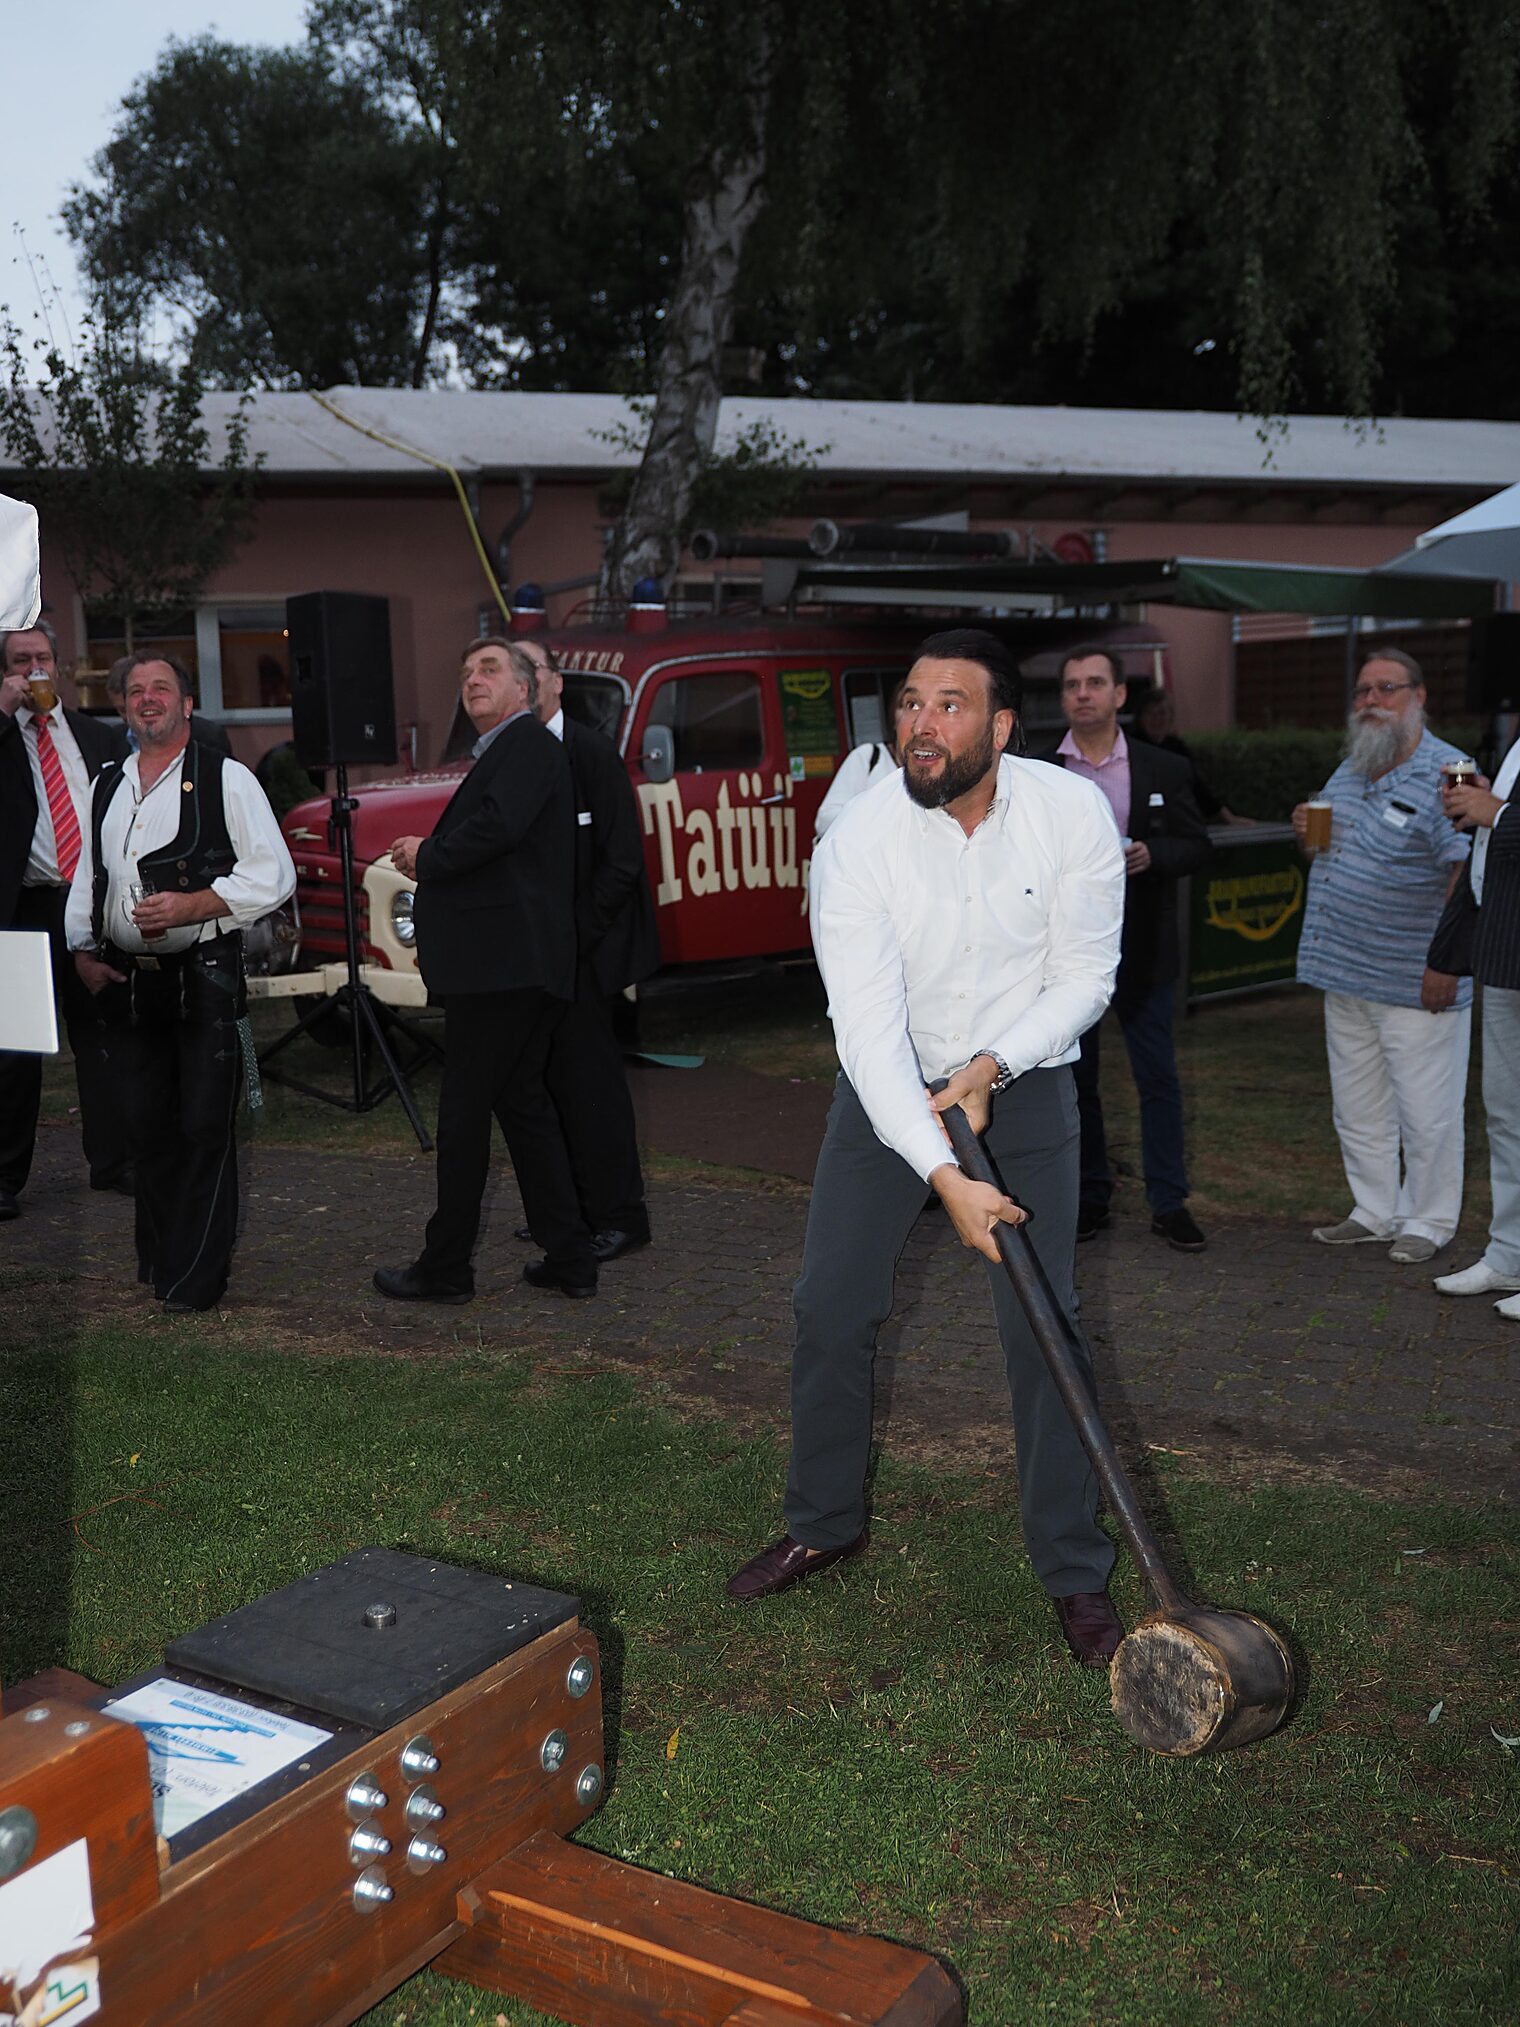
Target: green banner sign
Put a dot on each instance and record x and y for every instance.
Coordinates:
(1245, 914)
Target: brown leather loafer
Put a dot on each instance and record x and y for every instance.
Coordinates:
(784, 1563)
(1092, 1627)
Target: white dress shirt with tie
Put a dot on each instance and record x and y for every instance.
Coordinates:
(138, 824)
(936, 947)
(42, 860)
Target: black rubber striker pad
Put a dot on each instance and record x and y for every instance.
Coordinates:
(312, 1644)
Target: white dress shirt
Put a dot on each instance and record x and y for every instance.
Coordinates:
(936, 947)
(1504, 786)
(138, 825)
(556, 725)
(42, 859)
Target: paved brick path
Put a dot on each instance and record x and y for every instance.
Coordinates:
(1266, 1348)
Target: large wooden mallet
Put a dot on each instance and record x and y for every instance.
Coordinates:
(1189, 1678)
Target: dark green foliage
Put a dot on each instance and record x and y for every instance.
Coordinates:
(1263, 774)
(112, 448)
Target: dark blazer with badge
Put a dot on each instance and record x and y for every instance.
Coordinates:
(495, 905)
(1150, 951)
(1482, 941)
(614, 909)
(100, 740)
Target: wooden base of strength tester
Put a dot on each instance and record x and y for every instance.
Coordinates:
(367, 1772)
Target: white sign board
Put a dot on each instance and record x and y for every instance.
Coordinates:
(20, 565)
(28, 1015)
(205, 1750)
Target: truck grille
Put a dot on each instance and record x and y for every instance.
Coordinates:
(321, 903)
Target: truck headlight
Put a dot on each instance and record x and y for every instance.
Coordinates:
(401, 917)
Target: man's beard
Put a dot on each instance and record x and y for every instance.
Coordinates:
(1376, 740)
(956, 779)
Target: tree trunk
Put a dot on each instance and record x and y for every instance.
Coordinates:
(688, 386)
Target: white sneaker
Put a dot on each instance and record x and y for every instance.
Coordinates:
(1349, 1232)
(1510, 1307)
(1476, 1280)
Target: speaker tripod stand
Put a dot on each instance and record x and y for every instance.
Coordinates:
(372, 1024)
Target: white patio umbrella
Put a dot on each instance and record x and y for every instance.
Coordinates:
(20, 568)
(1483, 541)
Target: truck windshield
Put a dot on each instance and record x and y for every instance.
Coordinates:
(596, 701)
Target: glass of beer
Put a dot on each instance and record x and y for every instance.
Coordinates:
(138, 892)
(1318, 818)
(1455, 772)
(40, 692)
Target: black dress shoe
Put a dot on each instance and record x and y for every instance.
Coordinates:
(523, 1232)
(784, 1563)
(539, 1274)
(610, 1245)
(122, 1180)
(176, 1305)
(9, 1208)
(1091, 1218)
(405, 1284)
(1092, 1627)
(1179, 1231)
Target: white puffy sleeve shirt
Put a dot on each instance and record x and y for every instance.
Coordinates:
(137, 825)
(935, 946)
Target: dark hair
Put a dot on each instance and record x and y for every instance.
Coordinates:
(122, 669)
(975, 644)
(37, 626)
(1088, 651)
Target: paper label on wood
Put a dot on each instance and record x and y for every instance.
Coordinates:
(205, 1750)
(44, 1911)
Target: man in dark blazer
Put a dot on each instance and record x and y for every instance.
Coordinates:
(1478, 935)
(619, 945)
(495, 915)
(48, 758)
(1151, 794)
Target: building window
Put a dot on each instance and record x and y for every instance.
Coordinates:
(868, 699)
(244, 661)
(715, 721)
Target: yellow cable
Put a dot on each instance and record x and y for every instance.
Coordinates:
(439, 465)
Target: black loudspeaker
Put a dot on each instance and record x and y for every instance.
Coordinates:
(1493, 673)
(342, 696)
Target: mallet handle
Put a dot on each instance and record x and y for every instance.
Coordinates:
(1053, 1334)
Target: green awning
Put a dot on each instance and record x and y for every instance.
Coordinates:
(1214, 583)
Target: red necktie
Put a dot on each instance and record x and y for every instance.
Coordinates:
(60, 802)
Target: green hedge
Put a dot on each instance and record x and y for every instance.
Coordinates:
(1263, 774)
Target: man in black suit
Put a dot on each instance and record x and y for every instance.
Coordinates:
(1164, 836)
(495, 915)
(48, 758)
(1478, 935)
(619, 945)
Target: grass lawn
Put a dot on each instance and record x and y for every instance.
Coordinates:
(898, 1746)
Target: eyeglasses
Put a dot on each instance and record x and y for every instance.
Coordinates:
(1365, 690)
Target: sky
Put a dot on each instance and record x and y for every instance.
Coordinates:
(84, 56)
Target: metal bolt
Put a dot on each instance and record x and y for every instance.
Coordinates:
(77, 1729)
(365, 1796)
(18, 1838)
(368, 1841)
(371, 1891)
(422, 1808)
(551, 1754)
(581, 1675)
(379, 1617)
(588, 1786)
(36, 1714)
(423, 1852)
(418, 1758)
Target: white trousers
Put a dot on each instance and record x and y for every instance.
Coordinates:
(1501, 1101)
(1398, 1080)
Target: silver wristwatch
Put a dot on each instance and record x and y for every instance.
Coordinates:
(1004, 1075)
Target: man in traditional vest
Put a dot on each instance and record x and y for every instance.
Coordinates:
(180, 854)
(48, 758)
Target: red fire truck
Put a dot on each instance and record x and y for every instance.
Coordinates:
(731, 728)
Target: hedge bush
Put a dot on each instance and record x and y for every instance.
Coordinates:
(1263, 774)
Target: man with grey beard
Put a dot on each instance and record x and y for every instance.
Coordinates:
(1396, 1032)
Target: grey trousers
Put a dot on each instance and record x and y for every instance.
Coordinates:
(865, 1202)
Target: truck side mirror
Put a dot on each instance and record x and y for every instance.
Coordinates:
(657, 756)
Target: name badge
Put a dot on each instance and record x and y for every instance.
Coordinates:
(583, 816)
(1399, 818)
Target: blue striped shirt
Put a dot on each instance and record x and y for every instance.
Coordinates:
(1375, 897)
